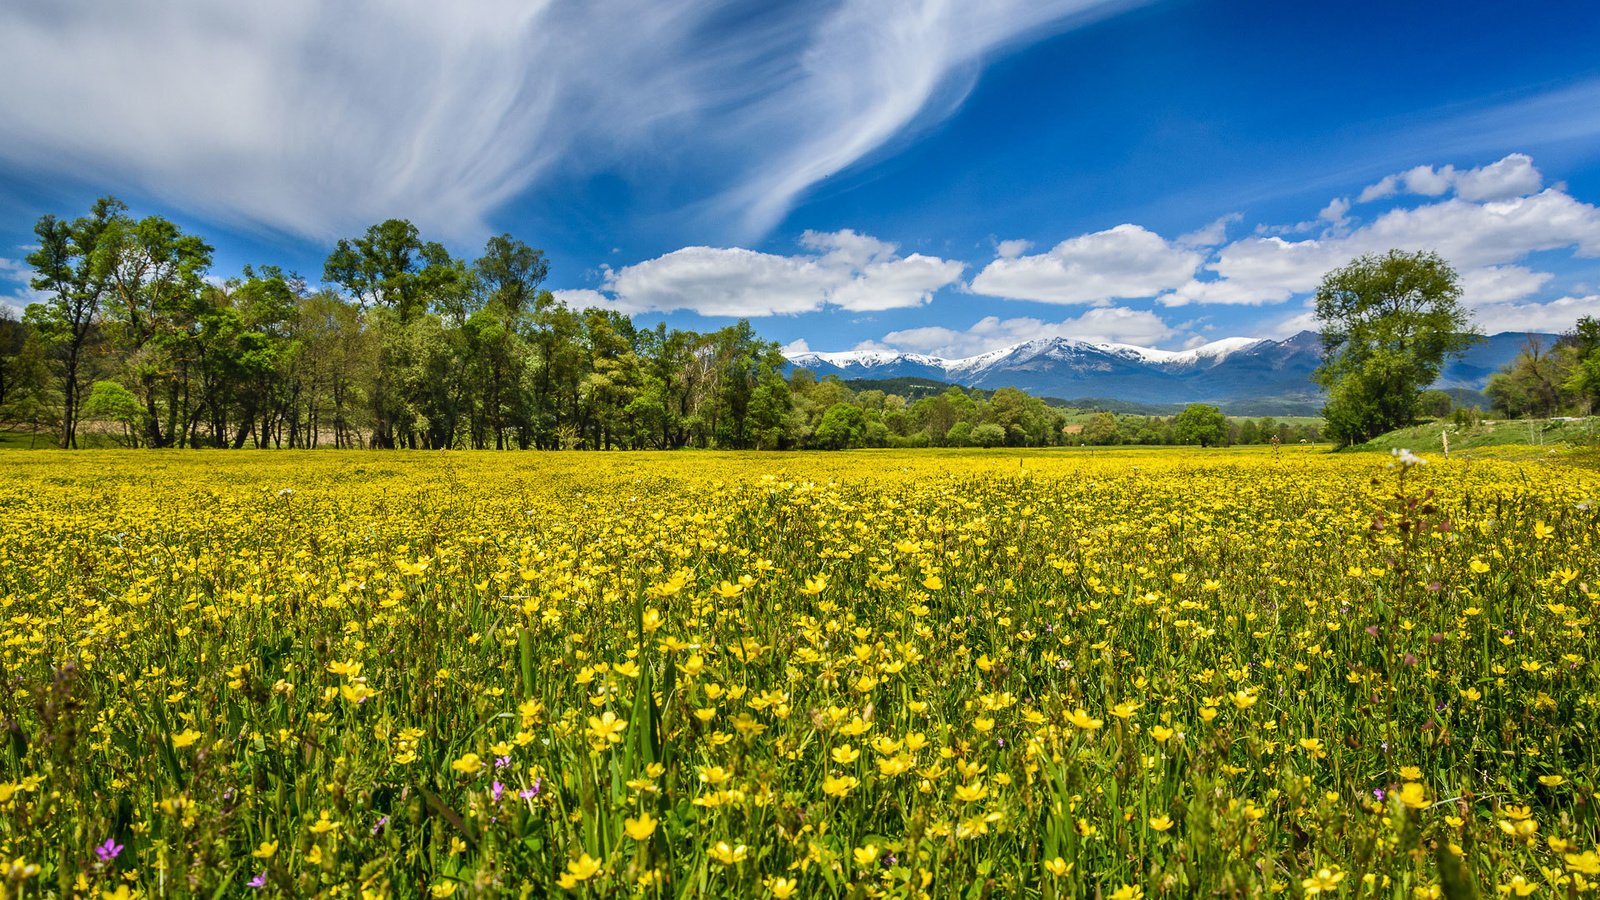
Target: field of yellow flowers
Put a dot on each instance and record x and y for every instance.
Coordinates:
(1055, 674)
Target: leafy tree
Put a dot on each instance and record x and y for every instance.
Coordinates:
(1200, 424)
(392, 266)
(71, 269)
(1388, 324)
(1532, 383)
(988, 435)
(1435, 404)
(843, 425)
(1583, 382)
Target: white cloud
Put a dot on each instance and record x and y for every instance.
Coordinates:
(795, 348)
(1212, 234)
(847, 270)
(1335, 212)
(1511, 176)
(319, 119)
(1102, 325)
(1552, 317)
(1012, 249)
(1123, 262)
(1500, 284)
(15, 291)
(1468, 235)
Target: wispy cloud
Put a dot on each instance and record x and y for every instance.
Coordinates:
(316, 118)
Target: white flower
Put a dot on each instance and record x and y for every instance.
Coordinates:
(1407, 458)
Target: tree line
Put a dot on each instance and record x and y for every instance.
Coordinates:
(407, 346)
(1558, 380)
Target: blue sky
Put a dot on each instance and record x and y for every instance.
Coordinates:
(941, 177)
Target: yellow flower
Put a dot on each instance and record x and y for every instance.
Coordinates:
(844, 754)
(184, 738)
(468, 764)
(1081, 719)
(581, 869)
(607, 728)
(1326, 880)
(1587, 862)
(727, 855)
(780, 888)
(715, 776)
(444, 889)
(641, 828)
(1551, 781)
(1518, 887)
(865, 856)
(1413, 795)
(971, 793)
(266, 850)
(1160, 733)
(839, 786)
(1058, 867)
(1128, 892)
(1243, 699)
(1161, 823)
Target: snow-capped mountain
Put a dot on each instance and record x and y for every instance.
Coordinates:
(1226, 372)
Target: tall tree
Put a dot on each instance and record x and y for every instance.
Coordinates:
(1388, 324)
(73, 270)
(157, 276)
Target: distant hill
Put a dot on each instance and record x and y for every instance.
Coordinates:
(1244, 376)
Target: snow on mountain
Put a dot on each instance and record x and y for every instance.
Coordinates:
(1229, 371)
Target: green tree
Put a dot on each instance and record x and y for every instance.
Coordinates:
(72, 270)
(1583, 383)
(1388, 324)
(843, 425)
(988, 435)
(1532, 384)
(1200, 424)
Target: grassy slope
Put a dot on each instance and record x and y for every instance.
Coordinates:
(1552, 433)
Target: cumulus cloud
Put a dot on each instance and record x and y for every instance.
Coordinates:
(1012, 249)
(1469, 235)
(1122, 262)
(1554, 316)
(1102, 325)
(844, 269)
(1512, 176)
(317, 118)
(1500, 284)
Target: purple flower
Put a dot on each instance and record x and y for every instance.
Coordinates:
(532, 792)
(495, 790)
(382, 821)
(502, 762)
(108, 851)
(1378, 793)
(259, 880)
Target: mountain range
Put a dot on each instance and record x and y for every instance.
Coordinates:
(1251, 376)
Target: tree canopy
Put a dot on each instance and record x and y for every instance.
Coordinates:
(1388, 323)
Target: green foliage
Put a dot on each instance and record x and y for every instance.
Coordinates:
(1201, 424)
(1388, 324)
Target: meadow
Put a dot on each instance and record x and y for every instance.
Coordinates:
(1110, 674)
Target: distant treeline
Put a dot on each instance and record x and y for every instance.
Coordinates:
(136, 342)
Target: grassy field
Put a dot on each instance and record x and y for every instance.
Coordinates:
(1112, 674)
